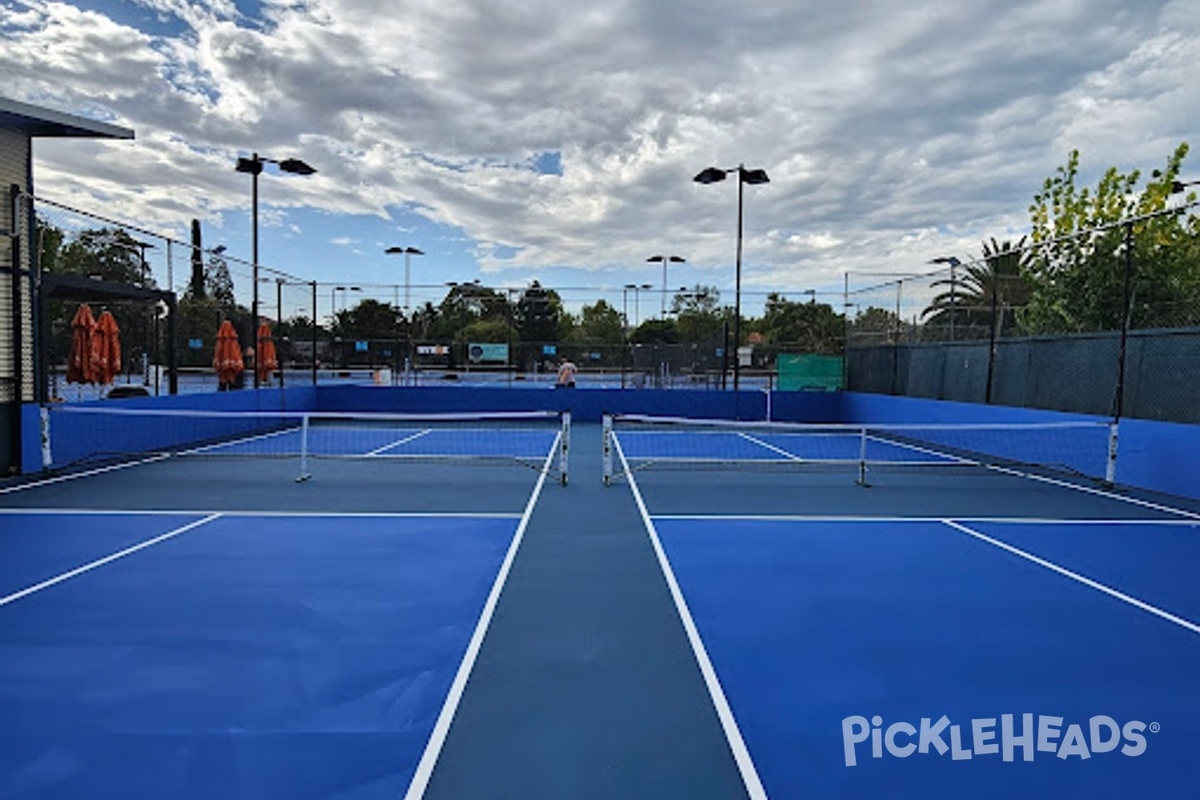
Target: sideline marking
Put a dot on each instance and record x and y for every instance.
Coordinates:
(106, 559)
(1179, 523)
(733, 734)
(437, 738)
(1075, 576)
(1101, 492)
(193, 512)
(86, 473)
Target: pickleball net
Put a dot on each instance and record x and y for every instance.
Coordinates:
(77, 435)
(634, 443)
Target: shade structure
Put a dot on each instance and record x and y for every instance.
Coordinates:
(81, 366)
(227, 356)
(106, 345)
(265, 360)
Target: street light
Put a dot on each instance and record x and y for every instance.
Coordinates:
(254, 166)
(407, 251)
(754, 177)
(665, 260)
(637, 289)
(1179, 186)
(954, 264)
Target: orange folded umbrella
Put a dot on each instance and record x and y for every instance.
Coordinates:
(106, 344)
(80, 366)
(227, 356)
(265, 360)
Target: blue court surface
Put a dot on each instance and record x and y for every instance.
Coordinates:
(199, 628)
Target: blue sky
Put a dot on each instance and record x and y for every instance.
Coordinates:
(556, 140)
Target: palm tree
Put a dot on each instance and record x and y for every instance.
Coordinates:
(982, 293)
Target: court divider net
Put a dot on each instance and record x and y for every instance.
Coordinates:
(1079, 448)
(74, 435)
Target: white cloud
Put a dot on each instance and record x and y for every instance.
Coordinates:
(893, 131)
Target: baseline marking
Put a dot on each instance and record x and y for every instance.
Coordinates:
(1075, 576)
(107, 559)
(733, 734)
(437, 738)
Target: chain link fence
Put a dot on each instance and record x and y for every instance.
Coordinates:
(971, 330)
(1122, 339)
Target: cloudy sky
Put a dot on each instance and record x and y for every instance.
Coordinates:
(557, 139)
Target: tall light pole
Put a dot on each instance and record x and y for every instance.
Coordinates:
(408, 252)
(662, 313)
(754, 177)
(637, 289)
(254, 166)
(954, 264)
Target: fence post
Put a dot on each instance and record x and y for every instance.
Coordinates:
(1127, 312)
(991, 369)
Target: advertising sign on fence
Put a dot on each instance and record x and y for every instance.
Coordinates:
(487, 353)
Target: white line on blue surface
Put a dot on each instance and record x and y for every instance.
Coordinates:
(1185, 523)
(106, 560)
(161, 512)
(737, 745)
(1075, 576)
(437, 738)
(84, 474)
(399, 442)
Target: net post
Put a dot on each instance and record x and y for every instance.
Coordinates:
(606, 426)
(44, 432)
(304, 473)
(862, 457)
(1110, 463)
(564, 445)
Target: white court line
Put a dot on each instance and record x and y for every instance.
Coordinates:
(433, 748)
(733, 734)
(1075, 576)
(1101, 492)
(192, 512)
(405, 440)
(107, 559)
(87, 473)
(235, 442)
(1188, 523)
(761, 443)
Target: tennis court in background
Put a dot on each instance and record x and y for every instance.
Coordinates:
(718, 610)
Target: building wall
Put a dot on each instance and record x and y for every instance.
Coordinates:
(16, 318)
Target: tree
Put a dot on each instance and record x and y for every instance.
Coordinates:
(808, 327)
(196, 284)
(697, 313)
(218, 284)
(599, 324)
(536, 314)
(1079, 265)
(967, 305)
(874, 325)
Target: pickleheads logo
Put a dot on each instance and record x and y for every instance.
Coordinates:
(1028, 733)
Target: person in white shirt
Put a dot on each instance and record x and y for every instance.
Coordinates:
(566, 373)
